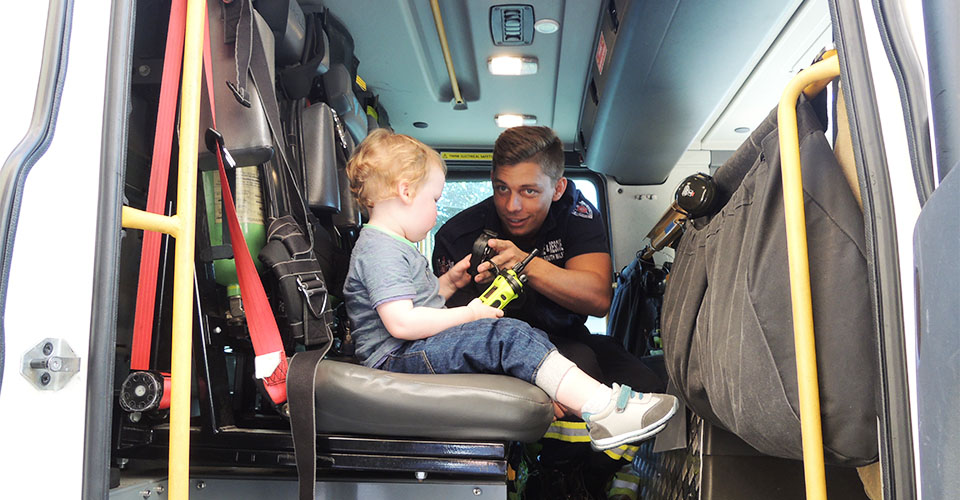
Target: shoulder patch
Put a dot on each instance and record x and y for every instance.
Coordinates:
(581, 209)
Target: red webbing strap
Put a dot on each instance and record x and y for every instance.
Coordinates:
(157, 191)
(260, 319)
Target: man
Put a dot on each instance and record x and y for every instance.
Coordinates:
(534, 206)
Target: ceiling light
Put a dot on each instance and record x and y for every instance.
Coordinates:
(546, 26)
(512, 65)
(506, 120)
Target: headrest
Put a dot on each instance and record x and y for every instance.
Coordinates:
(288, 24)
(245, 131)
(320, 146)
(349, 215)
(338, 81)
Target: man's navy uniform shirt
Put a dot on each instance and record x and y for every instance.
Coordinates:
(572, 227)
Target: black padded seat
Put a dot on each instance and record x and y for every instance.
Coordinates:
(354, 399)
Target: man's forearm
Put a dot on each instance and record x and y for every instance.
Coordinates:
(579, 290)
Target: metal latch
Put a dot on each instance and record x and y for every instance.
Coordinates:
(50, 364)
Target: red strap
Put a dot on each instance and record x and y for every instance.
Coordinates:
(157, 192)
(260, 319)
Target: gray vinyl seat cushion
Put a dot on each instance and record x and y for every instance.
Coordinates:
(354, 399)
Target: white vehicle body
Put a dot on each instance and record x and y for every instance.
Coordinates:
(64, 206)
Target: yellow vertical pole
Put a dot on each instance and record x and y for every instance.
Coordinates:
(179, 464)
(809, 392)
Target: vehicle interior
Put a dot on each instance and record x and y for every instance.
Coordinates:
(644, 95)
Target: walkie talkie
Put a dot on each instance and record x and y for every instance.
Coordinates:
(508, 284)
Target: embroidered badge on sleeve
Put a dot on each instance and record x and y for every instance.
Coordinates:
(581, 209)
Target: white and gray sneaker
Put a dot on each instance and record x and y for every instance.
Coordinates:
(629, 416)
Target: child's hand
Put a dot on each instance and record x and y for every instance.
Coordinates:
(458, 275)
(481, 310)
(454, 279)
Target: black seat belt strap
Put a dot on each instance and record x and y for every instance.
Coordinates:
(301, 394)
(243, 33)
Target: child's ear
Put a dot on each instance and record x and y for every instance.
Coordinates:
(405, 192)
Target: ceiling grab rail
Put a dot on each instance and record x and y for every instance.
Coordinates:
(459, 103)
(181, 226)
(809, 393)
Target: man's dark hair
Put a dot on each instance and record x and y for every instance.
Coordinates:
(539, 145)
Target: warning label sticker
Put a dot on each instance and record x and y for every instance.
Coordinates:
(601, 54)
(467, 156)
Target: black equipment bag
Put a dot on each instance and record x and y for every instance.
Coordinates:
(304, 296)
(727, 317)
(636, 304)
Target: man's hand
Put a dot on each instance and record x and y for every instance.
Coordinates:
(582, 285)
(481, 310)
(507, 256)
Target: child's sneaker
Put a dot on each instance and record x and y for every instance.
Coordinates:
(629, 416)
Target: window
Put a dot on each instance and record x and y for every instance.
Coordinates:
(458, 194)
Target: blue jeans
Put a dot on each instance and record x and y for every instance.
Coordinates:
(502, 346)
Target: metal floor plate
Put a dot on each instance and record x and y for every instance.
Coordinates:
(258, 489)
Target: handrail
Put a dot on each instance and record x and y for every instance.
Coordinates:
(182, 226)
(814, 88)
(447, 58)
(809, 393)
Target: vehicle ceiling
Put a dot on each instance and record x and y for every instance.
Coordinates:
(681, 75)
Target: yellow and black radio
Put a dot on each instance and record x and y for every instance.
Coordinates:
(508, 284)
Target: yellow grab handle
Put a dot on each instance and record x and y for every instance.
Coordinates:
(182, 226)
(810, 428)
(445, 47)
(179, 465)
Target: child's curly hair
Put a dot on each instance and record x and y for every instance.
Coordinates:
(383, 160)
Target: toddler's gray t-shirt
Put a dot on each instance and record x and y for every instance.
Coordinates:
(383, 268)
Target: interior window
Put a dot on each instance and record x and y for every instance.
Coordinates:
(588, 186)
(458, 194)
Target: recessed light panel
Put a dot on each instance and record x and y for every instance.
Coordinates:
(507, 120)
(512, 65)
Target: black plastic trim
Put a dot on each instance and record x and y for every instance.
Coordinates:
(274, 448)
(896, 437)
(103, 327)
(913, 92)
(39, 135)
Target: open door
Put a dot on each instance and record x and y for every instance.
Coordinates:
(936, 241)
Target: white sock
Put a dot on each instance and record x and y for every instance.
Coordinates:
(551, 372)
(598, 401)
